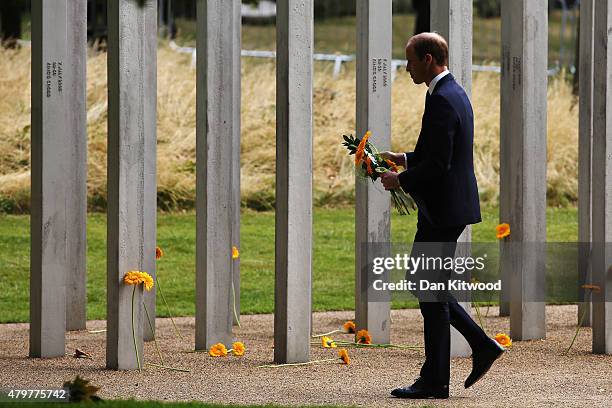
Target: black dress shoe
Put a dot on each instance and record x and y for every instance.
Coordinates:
(482, 362)
(421, 390)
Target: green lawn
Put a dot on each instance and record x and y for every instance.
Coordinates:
(333, 259)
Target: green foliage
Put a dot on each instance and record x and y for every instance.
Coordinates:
(7, 205)
(351, 142)
(80, 390)
(404, 6)
(487, 8)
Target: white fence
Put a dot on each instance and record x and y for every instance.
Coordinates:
(337, 59)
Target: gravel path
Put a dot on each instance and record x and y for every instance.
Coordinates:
(532, 373)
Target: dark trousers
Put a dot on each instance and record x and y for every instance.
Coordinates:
(438, 316)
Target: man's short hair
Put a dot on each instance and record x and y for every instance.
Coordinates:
(431, 43)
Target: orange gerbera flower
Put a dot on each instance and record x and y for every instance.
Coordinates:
(158, 253)
(138, 277)
(328, 342)
(238, 348)
(235, 252)
(147, 280)
(131, 278)
(392, 165)
(503, 339)
(363, 337)
(349, 327)
(369, 164)
(361, 148)
(218, 350)
(502, 230)
(343, 354)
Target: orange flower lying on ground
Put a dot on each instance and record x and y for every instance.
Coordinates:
(328, 342)
(349, 327)
(503, 339)
(363, 337)
(343, 354)
(158, 253)
(502, 230)
(137, 277)
(238, 348)
(218, 350)
(235, 252)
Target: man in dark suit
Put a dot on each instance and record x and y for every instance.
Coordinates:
(440, 176)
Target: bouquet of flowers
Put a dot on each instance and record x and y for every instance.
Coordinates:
(370, 164)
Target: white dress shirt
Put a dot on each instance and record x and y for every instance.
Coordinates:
(432, 84)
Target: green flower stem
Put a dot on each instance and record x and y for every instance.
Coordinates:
(167, 307)
(234, 304)
(314, 343)
(577, 329)
(401, 202)
(297, 364)
(314, 336)
(168, 368)
(153, 331)
(134, 331)
(387, 345)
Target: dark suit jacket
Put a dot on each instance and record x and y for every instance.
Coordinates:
(440, 171)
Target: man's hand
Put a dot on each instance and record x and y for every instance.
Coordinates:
(390, 180)
(397, 158)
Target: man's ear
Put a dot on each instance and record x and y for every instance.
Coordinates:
(428, 58)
